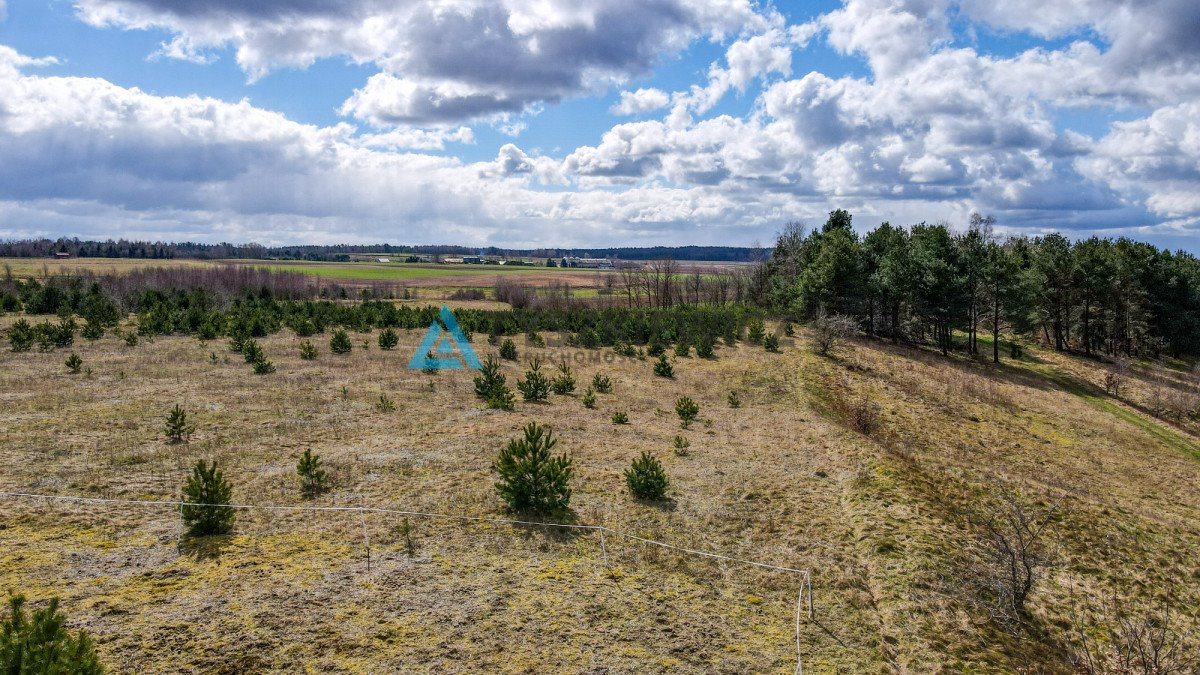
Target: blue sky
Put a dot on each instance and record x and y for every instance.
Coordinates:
(609, 122)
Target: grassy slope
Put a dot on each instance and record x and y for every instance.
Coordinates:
(880, 519)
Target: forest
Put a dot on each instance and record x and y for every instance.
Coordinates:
(961, 290)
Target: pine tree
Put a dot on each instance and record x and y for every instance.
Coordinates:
(41, 643)
(388, 339)
(532, 478)
(20, 336)
(508, 350)
(312, 475)
(663, 367)
(178, 429)
(535, 386)
(687, 409)
(207, 486)
(73, 363)
(589, 398)
(307, 351)
(564, 382)
(646, 478)
(601, 383)
(340, 342)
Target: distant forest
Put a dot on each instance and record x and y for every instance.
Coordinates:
(157, 250)
(963, 290)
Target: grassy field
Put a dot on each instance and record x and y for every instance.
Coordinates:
(882, 517)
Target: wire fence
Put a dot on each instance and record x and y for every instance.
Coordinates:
(804, 601)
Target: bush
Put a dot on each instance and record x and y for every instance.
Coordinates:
(535, 386)
(41, 644)
(788, 329)
(131, 340)
(307, 351)
(1010, 554)
(830, 329)
(589, 398)
(682, 349)
(388, 339)
(564, 382)
(681, 446)
(601, 383)
(704, 348)
(646, 478)
(263, 367)
(663, 367)
(207, 486)
(734, 400)
(771, 342)
(178, 429)
(20, 336)
(536, 340)
(502, 399)
(508, 350)
(312, 475)
(687, 409)
(339, 343)
(620, 417)
(73, 362)
(532, 479)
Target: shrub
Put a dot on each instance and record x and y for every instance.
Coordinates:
(830, 329)
(385, 404)
(535, 386)
(263, 367)
(508, 350)
(704, 348)
(663, 367)
(646, 478)
(681, 445)
(207, 486)
(620, 417)
(687, 409)
(20, 336)
(41, 644)
(589, 338)
(339, 343)
(771, 342)
(1010, 554)
(536, 340)
(589, 398)
(92, 331)
(533, 479)
(73, 362)
(601, 383)
(788, 329)
(1114, 383)
(178, 429)
(388, 339)
(307, 351)
(312, 475)
(682, 349)
(564, 382)
(655, 348)
(734, 400)
(625, 349)
(131, 339)
(756, 332)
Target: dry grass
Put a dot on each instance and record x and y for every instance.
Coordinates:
(880, 517)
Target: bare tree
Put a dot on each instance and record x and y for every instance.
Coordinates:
(1151, 643)
(1011, 553)
(830, 329)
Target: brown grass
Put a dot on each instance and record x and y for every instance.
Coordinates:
(880, 517)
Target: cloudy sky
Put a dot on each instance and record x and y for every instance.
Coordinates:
(593, 122)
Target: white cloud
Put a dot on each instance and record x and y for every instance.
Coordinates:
(640, 101)
(443, 61)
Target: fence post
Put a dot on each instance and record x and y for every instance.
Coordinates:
(362, 515)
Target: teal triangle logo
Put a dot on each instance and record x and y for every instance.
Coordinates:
(444, 348)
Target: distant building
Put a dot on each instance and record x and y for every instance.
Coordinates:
(382, 260)
(452, 261)
(587, 263)
(62, 254)
(471, 260)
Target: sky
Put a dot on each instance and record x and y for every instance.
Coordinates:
(544, 123)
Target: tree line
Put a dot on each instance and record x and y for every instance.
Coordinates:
(926, 283)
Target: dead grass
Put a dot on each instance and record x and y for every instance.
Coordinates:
(879, 516)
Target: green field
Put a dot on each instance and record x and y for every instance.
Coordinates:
(401, 271)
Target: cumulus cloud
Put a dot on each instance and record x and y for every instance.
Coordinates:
(640, 101)
(441, 61)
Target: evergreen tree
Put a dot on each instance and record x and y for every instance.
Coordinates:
(207, 486)
(646, 478)
(535, 386)
(313, 476)
(178, 429)
(339, 343)
(388, 339)
(532, 478)
(42, 644)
